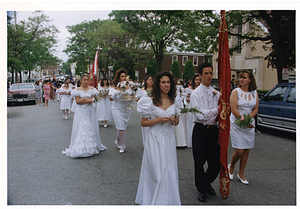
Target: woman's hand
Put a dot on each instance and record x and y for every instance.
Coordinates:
(163, 119)
(250, 126)
(174, 120)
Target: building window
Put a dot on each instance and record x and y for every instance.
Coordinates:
(184, 60)
(174, 58)
(239, 44)
(195, 61)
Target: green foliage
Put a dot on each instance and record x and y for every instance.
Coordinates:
(243, 121)
(175, 69)
(158, 28)
(30, 43)
(152, 67)
(189, 71)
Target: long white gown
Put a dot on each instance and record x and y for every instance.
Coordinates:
(158, 183)
(139, 94)
(243, 138)
(120, 113)
(189, 124)
(85, 138)
(74, 104)
(104, 108)
(65, 103)
(180, 130)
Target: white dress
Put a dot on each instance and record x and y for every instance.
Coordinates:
(74, 104)
(189, 124)
(139, 94)
(158, 183)
(85, 138)
(104, 108)
(243, 138)
(180, 130)
(65, 103)
(119, 109)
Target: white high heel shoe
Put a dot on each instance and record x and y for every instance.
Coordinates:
(244, 182)
(230, 175)
(118, 146)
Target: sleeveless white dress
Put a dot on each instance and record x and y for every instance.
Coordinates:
(65, 100)
(120, 113)
(85, 138)
(243, 138)
(104, 108)
(158, 183)
(189, 124)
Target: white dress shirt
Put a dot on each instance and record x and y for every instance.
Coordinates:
(204, 100)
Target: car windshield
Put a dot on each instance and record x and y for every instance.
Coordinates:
(21, 86)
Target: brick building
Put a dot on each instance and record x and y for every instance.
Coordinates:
(181, 57)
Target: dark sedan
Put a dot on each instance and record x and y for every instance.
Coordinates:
(21, 92)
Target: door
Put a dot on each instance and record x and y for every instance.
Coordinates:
(289, 110)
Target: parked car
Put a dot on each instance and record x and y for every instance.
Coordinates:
(32, 80)
(215, 84)
(277, 108)
(21, 92)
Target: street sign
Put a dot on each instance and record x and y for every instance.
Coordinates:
(285, 74)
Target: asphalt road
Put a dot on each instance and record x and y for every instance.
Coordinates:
(38, 174)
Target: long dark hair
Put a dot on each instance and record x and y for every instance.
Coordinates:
(252, 85)
(193, 84)
(117, 75)
(149, 76)
(102, 84)
(156, 93)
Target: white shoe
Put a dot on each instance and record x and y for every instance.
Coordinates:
(122, 150)
(66, 118)
(69, 111)
(230, 175)
(244, 182)
(118, 146)
(105, 125)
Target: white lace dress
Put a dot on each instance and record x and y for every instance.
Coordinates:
(243, 138)
(158, 183)
(104, 108)
(120, 113)
(65, 100)
(85, 138)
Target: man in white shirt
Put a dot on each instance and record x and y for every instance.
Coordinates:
(205, 133)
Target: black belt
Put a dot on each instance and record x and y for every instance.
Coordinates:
(210, 127)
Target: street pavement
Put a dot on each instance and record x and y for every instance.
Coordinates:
(38, 174)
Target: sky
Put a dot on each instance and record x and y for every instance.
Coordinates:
(61, 19)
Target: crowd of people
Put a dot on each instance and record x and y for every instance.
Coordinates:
(163, 127)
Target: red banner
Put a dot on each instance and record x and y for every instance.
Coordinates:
(93, 72)
(224, 77)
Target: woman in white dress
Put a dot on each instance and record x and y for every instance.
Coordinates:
(243, 100)
(158, 183)
(180, 130)
(85, 138)
(104, 105)
(189, 116)
(65, 103)
(120, 113)
(74, 105)
(144, 92)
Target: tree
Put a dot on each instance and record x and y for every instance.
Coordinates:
(117, 46)
(189, 71)
(151, 68)
(175, 69)
(158, 28)
(201, 34)
(30, 43)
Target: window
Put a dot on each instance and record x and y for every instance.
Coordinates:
(277, 94)
(195, 61)
(174, 58)
(184, 60)
(292, 95)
